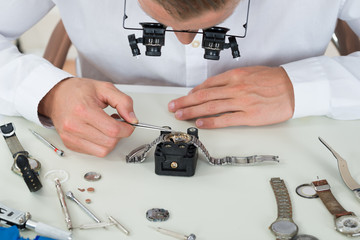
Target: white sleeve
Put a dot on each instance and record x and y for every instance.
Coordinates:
(24, 79)
(329, 86)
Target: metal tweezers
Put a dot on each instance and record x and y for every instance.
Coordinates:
(147, 126)
(344, 171)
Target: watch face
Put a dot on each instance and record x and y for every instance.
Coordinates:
(284, 228)
(178, 137)
(348, 224)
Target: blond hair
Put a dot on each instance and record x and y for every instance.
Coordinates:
(187, 9)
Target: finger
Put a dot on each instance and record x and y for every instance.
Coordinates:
(120, 101)
(107, 125)
(199, 97)
(215, 81)
(225, 120)
(225, 78)
(120, 120)
(83, 146)
(207, 109)
(89, 133)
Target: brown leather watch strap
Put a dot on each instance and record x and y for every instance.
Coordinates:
(322, 188)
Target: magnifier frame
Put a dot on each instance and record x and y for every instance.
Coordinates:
(189, 31)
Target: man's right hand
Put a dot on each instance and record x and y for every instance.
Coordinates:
(75, 106)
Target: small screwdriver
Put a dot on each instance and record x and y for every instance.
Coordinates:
(58, 151)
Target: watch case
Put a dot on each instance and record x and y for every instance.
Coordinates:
(177, 157)
(348, 225)
(284, 229)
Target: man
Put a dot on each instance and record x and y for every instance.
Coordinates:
(281, 74)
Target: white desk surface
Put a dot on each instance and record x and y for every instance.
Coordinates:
(218, 202)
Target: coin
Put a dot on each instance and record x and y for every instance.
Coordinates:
(92, 176)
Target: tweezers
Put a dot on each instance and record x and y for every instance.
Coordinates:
(344, 171)
(147, 126)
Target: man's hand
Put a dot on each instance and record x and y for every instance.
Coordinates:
(76, 108)
(245, 96)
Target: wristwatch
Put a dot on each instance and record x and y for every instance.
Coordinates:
(346, 222)
(284, 227)
(139, 154)
(23, 165)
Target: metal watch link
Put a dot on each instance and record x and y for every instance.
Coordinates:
(139, 154)
(23, 165)
(284, 227)
(346, 222)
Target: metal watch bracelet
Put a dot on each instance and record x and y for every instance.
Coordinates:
(139, 154)
(282, 198)
(284, 227)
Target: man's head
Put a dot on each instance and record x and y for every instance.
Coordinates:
(187, 9)
(189, 14)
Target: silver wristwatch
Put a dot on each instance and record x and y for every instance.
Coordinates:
(139, 154)
(284, 227)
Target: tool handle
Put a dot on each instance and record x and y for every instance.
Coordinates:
(63, 205)
(48, 231)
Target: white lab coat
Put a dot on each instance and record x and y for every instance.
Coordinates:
(293, 34)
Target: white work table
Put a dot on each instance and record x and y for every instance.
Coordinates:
(218, 202)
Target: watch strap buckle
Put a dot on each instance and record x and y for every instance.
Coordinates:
(321, 185)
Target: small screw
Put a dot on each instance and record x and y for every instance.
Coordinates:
(174, 165)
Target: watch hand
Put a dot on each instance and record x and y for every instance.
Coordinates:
(344, 170)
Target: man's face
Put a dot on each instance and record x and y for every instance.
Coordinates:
(203, 21)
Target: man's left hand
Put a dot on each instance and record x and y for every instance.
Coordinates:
(244, 96)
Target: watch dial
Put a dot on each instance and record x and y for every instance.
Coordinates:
(348, 224)
(284, 228)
